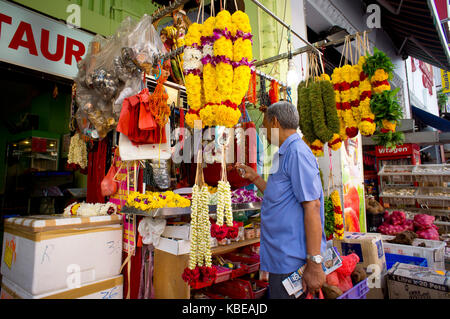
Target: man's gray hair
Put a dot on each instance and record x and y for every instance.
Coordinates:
(285, 112)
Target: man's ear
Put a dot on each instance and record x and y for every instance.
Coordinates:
(275, 122)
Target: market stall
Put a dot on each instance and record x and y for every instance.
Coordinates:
(159, 118)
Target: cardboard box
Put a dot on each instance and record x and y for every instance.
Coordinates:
(111, 288)
(414, 282)
(177, 232)
(434, 252)
(368, 246)
(40, 252)
(174, 246)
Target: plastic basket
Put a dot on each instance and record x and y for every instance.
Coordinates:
(200, 285)
(223, 274)
(235, 289)
(391, 259)
(240, 271)
(252, 263)
(261, 288)
(359, 291)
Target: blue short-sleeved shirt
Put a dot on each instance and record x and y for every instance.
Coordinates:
(294, 178)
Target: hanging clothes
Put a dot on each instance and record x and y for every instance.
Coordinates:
(96, 172)
(146, 289)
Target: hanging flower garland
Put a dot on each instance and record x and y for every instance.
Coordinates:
(324, 114)
(306, 122)
(338, 219)
(274, 92)
(212, 97)
(193, 69)
(251, 94)
(78, 151)
(354, 92)
(351, 125)
(200, 261)
(366, 124)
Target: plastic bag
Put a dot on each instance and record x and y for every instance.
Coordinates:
(108, 185)
(151, 229)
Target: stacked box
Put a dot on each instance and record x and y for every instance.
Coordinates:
(45, 254)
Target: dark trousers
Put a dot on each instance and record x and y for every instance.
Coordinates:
(276, 287)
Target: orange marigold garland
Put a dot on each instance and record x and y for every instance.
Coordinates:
(274, 92)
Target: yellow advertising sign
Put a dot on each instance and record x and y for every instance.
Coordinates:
(445, 77)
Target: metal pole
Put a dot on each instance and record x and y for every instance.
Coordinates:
(259, 4)
(301, 50)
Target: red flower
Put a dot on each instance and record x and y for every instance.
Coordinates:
(351, 131)
(365, 94)
(233, 231)
(345, 86)
(346, 106)
(362, 76)
(219, 232)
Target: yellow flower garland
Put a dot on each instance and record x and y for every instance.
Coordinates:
(193, 70)
(338, 215)
(367, 124)
(153, 200)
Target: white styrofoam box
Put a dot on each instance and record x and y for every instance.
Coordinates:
(177, 232)
(179, 246)
(174, 246)
(434, 252)
(43, 261)
(110, 288)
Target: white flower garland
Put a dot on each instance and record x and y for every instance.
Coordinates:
(224, 204)
(78, 151)
(192, 59)
(87, 210)
(200, 252)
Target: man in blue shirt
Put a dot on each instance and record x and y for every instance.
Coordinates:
(292, 212)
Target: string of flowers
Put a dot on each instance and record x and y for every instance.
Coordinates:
(212, 98)
(332, 119)
(193, 69)
(78, 151)
(200, 261)
(305, 120)
(367, 124)
(338, 218)
(351, 125)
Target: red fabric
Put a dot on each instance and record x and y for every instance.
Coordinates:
(129, 121)
(96, 172)
(135, 274)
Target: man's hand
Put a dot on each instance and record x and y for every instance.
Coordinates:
(249, 173)
(313, 278)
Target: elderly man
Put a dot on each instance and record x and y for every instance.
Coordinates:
(292, 212)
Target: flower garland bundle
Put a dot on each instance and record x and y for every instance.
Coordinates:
(338, 218)
(212, 97)
(227, 113)
(336, 79)
(274, 92)
(251, 94)
(242, 57)
(224, 201)
(306, 122)
(158, 103)
(351, 125)
(329, 218)
(193, 69)
(87, 209)
(78, 151)
(354, 92)
(200, 262)
(153, 200)
(379, 69)
(324, 114)
(366, 124)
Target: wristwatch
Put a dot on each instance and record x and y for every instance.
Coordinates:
(318, 259)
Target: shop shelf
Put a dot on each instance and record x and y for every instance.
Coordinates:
(359, 291)
(200, 285)
(240, 271)
(391, 259)
(434, 197)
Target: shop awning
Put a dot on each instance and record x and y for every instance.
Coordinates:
(415, 29)
(431, 119)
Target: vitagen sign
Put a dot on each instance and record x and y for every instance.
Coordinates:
(32, 40)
